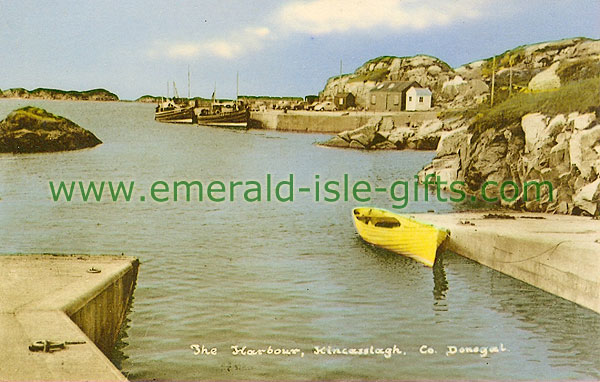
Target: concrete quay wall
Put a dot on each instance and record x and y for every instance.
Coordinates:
(556, 253)
(102, 315)
(63, 298)
(328, 122)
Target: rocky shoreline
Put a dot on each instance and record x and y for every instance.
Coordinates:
(384, 133)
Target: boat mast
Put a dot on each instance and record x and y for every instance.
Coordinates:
(189, 91)
(340, 79)
(212, 99)
(175, 92)
(237, 88)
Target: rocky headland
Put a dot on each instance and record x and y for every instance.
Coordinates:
(33, 130)
(535, 67)
(543, 125)
(57, 94)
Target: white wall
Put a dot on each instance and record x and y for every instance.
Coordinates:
(414, 101)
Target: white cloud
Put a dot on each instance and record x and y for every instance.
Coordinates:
(258, 32)
(329, 16)
(320, 17)
(251, 38)
(183, 50)
(223, 49)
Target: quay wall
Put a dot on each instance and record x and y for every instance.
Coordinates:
(328, 122)
(101, 317)
(60, 298)
(556, 253)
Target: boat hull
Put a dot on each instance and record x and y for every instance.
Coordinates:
(180, 115)
(233, 120)
(399, 234)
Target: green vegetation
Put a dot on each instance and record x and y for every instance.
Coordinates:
(517, 55)
(579, 96)
(86, 94)
(375, 75)
(36, 111)
(578, 70)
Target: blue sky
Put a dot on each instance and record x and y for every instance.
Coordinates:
(278, 47)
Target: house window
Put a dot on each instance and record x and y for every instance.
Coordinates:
(396, 99)
(410, 98)
(421, 99)
(373, 98)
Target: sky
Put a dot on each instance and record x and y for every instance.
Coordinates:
(279, 48)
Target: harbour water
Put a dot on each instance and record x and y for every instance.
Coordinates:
(281, 275)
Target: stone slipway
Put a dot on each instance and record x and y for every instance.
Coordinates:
(48, 297)
(558, 254)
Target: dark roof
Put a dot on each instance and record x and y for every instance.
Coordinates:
(395, 86)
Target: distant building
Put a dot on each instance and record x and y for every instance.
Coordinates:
(344, 100)
(311, 98)
(392, 96)
(418, 98)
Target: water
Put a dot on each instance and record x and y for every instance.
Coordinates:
(286, 275)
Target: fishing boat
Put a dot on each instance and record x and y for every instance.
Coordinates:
(172, 111)
(175, 110)
(399, 234)
(230, 114)
(236, 118)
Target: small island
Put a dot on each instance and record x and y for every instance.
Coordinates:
(57, 94)
(34, 130)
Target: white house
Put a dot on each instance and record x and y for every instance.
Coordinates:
(418, 99)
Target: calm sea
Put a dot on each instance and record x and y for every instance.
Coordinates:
(285, 275)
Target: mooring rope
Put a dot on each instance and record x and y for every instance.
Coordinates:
(552, 249)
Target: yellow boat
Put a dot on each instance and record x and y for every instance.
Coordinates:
(399, 233)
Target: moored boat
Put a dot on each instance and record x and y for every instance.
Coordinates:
(237, 119)
(170, 111)
(398, 233)
(230, 114)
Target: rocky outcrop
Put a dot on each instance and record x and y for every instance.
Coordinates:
(533, 67)
(563, 150)
(546, 79)
(56, 94)
(428, 71)
(382, 133)
(31, 130)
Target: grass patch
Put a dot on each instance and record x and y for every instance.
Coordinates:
(578, 70)
(375, 75)
(581, 96)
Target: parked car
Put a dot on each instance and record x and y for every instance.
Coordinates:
(326, 106)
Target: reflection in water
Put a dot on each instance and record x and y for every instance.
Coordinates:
(117, 355)
(440, 283)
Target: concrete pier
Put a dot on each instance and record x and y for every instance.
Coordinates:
(62, 298)
(556, 253)
(328, 122)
